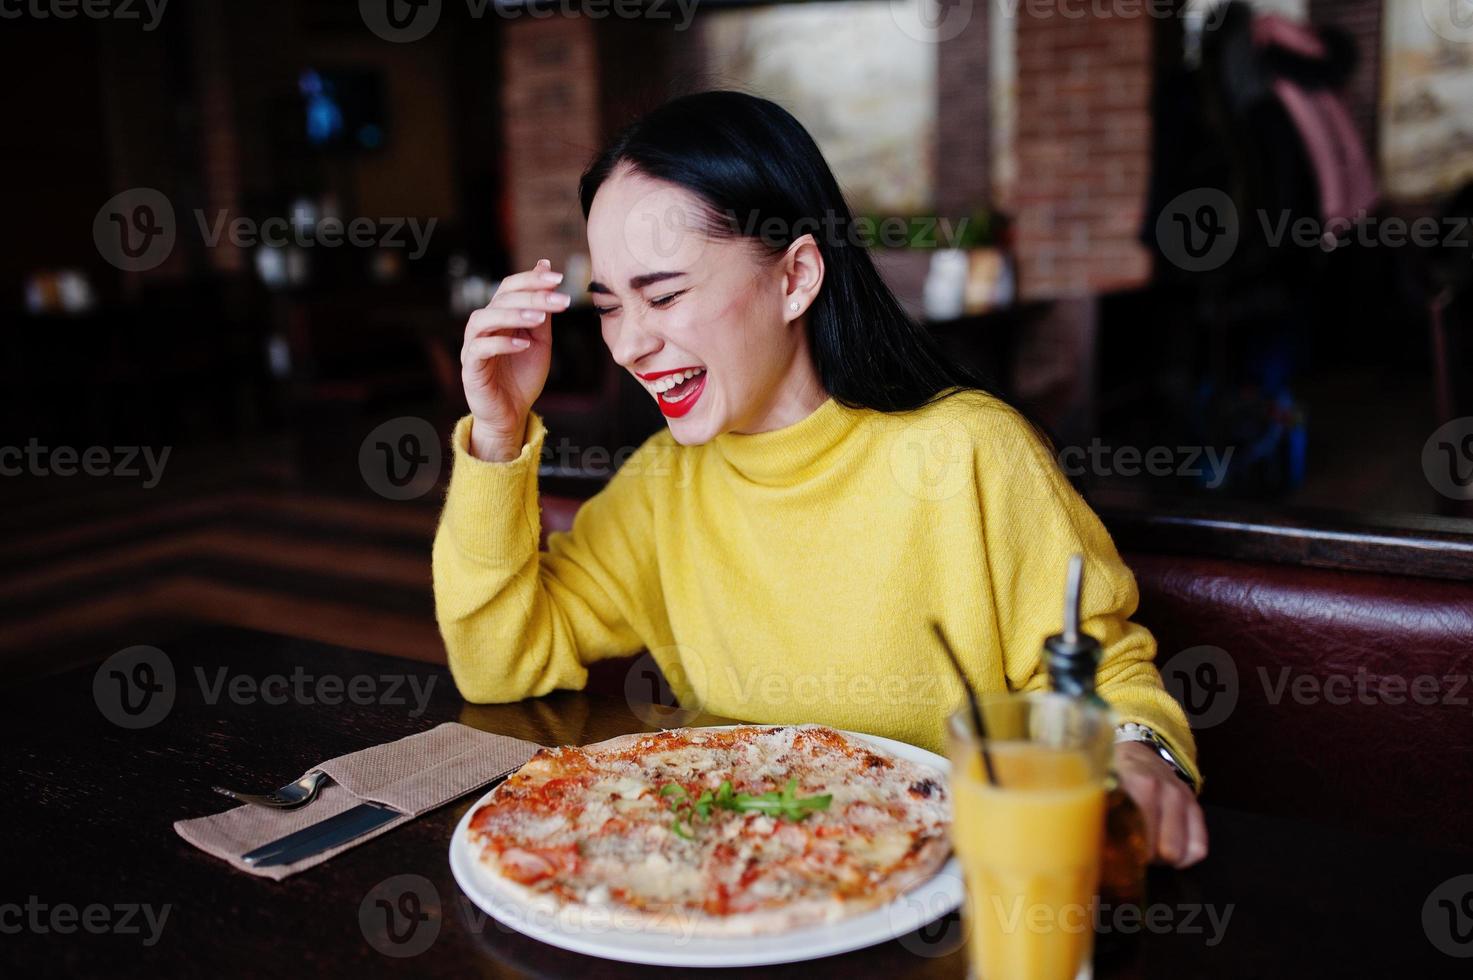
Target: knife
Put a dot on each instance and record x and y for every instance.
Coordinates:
(321, 836)
(324, 835)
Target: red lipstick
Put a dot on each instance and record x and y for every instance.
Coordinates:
(660, 374)
(674, 410)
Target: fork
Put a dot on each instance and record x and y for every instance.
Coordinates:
(289, 797)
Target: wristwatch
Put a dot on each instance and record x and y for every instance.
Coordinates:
(1131, 731)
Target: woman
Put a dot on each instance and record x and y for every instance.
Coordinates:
(827, 483)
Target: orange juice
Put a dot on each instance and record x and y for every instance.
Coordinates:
(1030, 850)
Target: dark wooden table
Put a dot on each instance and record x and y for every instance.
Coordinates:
(90, 807)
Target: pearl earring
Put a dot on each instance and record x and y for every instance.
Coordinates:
(793, 306)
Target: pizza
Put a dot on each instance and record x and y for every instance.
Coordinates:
(740, 831)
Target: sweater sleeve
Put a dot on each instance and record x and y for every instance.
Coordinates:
(1034, 520)
(518, 622)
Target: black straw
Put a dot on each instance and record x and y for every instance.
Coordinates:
(977, 723)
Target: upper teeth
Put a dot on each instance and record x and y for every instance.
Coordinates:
(669, 381)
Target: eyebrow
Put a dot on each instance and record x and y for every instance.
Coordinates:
(637, 283)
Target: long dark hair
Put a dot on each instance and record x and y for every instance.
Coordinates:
(750, 162)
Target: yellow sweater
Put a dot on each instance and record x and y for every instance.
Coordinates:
(789, 576)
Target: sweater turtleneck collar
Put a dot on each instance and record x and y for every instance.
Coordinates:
(793, 453)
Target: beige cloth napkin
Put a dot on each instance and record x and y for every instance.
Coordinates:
(414, 775)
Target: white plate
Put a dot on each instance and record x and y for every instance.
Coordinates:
(926, 902)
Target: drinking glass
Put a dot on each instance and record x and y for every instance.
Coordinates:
(1029, 844)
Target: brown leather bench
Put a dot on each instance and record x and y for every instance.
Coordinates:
(1343, 697)
(1340, 696)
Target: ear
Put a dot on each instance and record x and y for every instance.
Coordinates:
(802, 268)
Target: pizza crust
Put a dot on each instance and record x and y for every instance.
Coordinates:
(583, 918)
(594, 918)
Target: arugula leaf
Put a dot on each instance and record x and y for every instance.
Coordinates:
(783, 803)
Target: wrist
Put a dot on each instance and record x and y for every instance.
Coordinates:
(1144, 738)
(492, 445)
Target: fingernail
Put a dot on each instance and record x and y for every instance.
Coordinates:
(561, 300)
(520, 342)
(531, 315)
(552, 277)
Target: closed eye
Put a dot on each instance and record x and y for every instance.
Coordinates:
(659, 303)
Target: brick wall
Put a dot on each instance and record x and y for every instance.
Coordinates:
(551, 109)
(1083, 151)
(963, 173)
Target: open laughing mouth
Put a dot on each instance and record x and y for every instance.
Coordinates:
(677, 391)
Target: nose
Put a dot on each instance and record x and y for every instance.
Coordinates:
(628, 340)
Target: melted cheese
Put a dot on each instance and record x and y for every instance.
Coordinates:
(626, 847)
